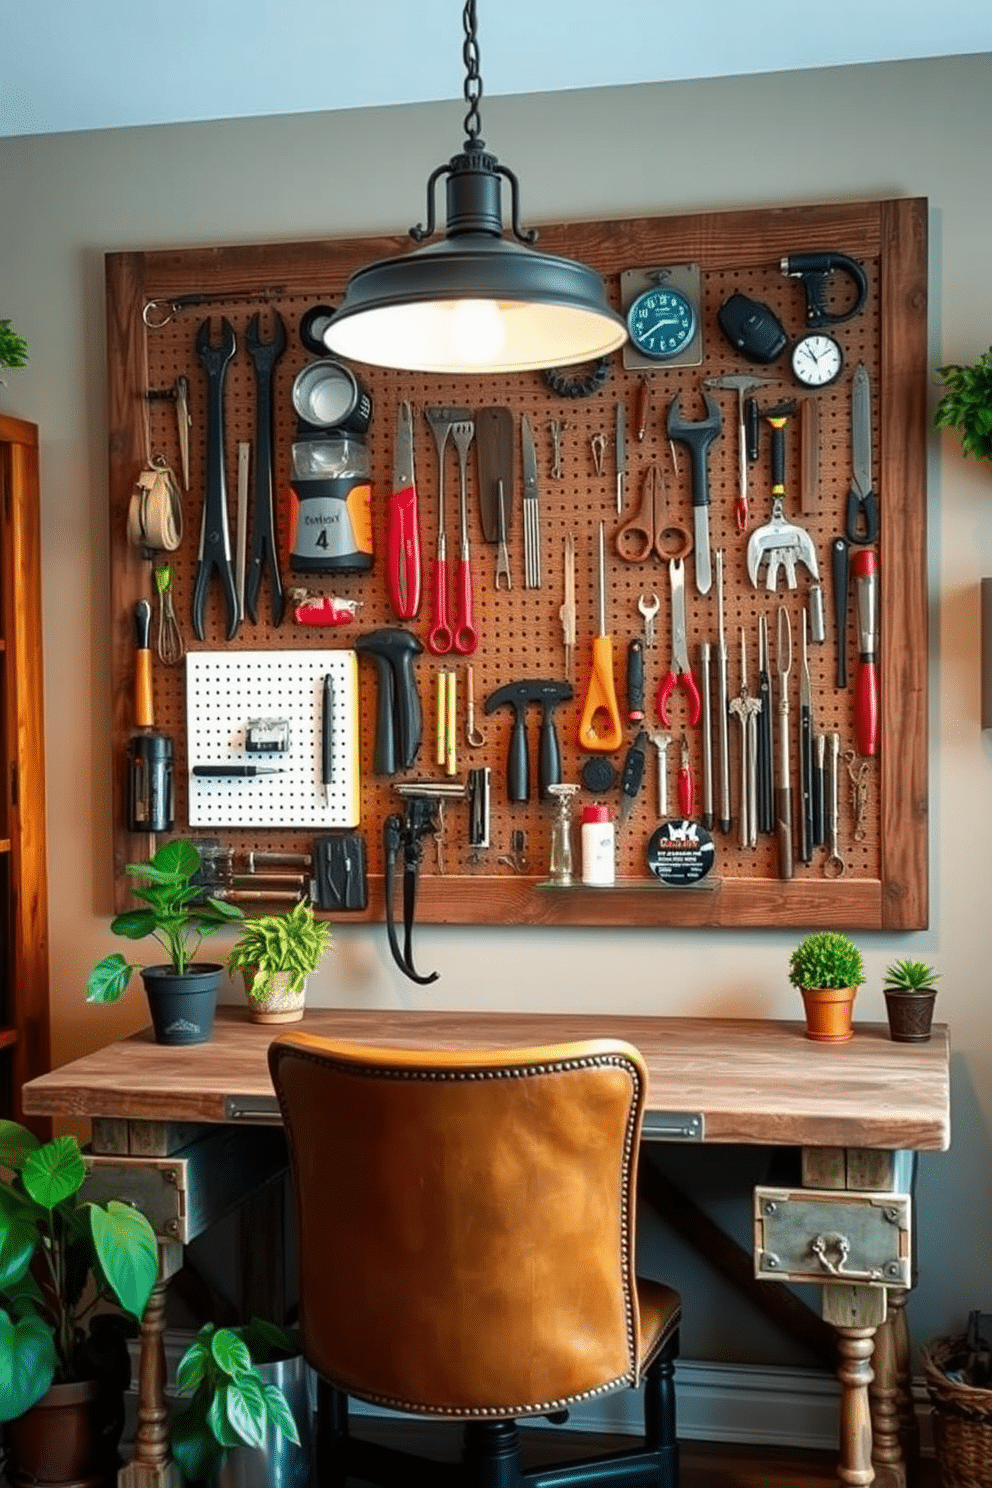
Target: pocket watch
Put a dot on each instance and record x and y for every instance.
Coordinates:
(661, 322)
(817, 360)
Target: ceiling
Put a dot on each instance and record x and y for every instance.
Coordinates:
(106, 64)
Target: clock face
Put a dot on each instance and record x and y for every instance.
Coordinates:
(816, 360)
(661, 322)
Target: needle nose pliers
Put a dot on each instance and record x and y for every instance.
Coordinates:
(215, 537)
(680, 669)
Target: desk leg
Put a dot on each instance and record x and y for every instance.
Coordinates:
(855, 1313)
(896, 1430)
(151, 1465)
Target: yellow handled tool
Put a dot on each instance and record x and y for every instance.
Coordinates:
(600, 729)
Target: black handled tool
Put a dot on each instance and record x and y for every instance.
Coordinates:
(815, 269)
(215, 536)
(264, 355)
(327, 738)
(517, 695)
(632, 774)
(399, 717)
(840, 560)
(635, 680)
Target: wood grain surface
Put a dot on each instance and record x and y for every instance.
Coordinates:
(753, 1081)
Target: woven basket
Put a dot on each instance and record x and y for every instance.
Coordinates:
(962, 1419)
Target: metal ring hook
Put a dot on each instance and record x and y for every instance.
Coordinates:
(156, 325)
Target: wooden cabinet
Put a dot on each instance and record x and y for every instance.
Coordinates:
(24, 1025)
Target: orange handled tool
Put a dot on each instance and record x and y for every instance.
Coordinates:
(864, 567)
(600, 729)
(144, 716)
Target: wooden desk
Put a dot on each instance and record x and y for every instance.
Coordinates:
(853, 1108)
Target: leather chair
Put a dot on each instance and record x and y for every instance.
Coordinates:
(465, 1225)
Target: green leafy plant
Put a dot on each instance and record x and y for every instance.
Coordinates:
(61, 1256)
(231, 1403)
(826, 959)
(910, 976)
(291, 942)
(13, 348)
(177, 915)
(966, 405)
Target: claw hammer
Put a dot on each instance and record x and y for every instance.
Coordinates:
(741, 383)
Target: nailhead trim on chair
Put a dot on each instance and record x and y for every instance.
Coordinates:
(594, 1061)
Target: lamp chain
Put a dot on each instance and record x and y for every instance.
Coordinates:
(473, 79)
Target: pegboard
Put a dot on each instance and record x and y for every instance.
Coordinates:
(884, 847)
(224, 691)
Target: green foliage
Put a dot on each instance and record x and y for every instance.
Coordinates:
(60, 1256)
(911, 976)
(291, 942)
(177, 915)
(967, 405)
(826, 959)
(13, 348)
(230, 1403)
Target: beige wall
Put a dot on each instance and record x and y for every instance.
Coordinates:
(919, 128)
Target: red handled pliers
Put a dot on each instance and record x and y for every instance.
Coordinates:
(680, 669)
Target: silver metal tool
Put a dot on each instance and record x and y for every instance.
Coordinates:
(566, 613)
(648, 613)
(241, 536)
(621, 453)
(532, 513)
(746, 708)
(805, 754)
(184, 423)
(721, 683)
(834, 866)
(556, 428)
(741, 382)
(661, 743)
(783, 790)
(473, 734)
(705, 656)
(502, 556)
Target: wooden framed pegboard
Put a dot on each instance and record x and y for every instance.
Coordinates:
(886, 879)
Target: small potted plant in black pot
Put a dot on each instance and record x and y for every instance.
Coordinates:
(828, 969)
(182, 994)
(909, 998)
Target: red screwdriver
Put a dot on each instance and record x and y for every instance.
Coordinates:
(864, 567)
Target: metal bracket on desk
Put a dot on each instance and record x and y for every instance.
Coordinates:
(832, 1237)
(262, 1110)
(673, 1126)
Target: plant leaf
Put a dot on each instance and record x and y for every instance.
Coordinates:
(217, 1420)
(280, 1414)
(128, 1252)
(192, 1367)
(54, 1172)
(16, 1142)
(193, 1443)
(18, 1239)
(230, 1353)
(245, 1409)
(108, 981)
(27, 1364)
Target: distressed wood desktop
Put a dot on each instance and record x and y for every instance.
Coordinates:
(182, 1132)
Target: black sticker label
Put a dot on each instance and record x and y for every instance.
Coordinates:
(681, 852)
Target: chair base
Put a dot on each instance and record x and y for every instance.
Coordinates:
(491, 1450)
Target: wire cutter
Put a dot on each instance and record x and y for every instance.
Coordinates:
(680, 671)
(650, 531)
(215, 537)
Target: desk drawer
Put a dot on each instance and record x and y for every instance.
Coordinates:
(832, 1236)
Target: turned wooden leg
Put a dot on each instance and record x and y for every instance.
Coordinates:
(855, 1312)
(883, 1396)
(909, 1426)
(152, 1465)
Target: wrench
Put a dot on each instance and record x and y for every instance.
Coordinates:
(264, 355)
(215, 536)
(697, 437)
(649, 611)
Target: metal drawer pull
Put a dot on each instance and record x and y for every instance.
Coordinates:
(820, 1244)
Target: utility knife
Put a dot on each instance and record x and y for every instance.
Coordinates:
(403, 561)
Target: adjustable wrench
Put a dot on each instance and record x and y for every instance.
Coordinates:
(697, 437)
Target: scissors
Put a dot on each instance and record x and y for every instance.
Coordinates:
(650, 530)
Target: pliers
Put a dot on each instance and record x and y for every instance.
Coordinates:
(680, 671)
(215, 537)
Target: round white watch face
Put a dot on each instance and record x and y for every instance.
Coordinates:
(816, 360)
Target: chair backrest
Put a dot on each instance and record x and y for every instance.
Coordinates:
(465, 1220)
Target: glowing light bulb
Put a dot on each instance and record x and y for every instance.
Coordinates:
(476, 331)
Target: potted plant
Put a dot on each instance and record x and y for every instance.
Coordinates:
(966, 405)
(275, 955)
(13, 348)
(63, 1363)
(909, 998)
(242, 1381)
(182, 995)
(828, 969)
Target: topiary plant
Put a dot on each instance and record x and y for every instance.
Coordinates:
(910, 976)
(826, 959)
(13, 348)
(967, 405)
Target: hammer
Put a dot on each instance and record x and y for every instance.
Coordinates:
(518, 695)
(743, 383)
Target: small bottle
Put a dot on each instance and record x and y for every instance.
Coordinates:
(598, 846)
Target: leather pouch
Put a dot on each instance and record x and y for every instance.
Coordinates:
(341, 875)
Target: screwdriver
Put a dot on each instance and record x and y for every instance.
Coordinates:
(601, 698)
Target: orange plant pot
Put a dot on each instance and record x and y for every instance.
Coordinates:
(828, 1013)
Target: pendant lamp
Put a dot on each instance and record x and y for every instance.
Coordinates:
(477, 301)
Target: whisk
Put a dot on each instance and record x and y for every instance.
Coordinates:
(171, 646)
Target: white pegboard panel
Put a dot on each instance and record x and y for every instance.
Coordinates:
(224, 689)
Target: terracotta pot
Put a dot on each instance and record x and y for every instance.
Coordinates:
(183, 1007)
(63, 1438)
(828, 1013)
(280, 1003)
(910, 1014)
